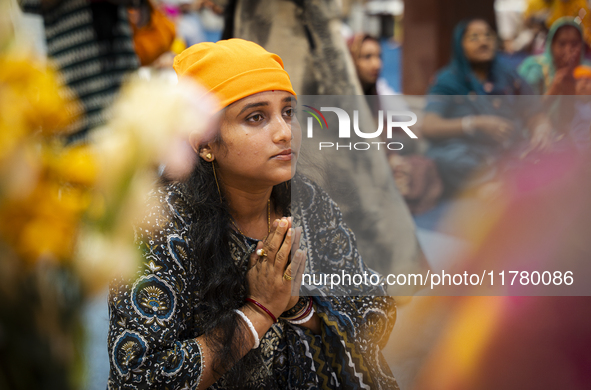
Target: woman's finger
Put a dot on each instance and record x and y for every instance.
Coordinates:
(287, 274)
(254, 258)
(272, 231)
(283, 253)
(295, 244)
(273, 244)
(299, 261)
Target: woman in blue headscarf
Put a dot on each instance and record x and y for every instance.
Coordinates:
(469, 131)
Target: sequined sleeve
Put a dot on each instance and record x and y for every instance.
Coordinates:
(150, 344)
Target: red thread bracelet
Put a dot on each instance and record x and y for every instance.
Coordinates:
(262, 308)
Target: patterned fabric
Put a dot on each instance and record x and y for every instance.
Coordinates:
(155, 319)
(91, 69)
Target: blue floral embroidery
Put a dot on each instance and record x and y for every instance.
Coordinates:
(173, 359)
(153, 299)
(129, 351)
(178, 249)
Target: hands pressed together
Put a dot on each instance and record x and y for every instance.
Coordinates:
(273, 278)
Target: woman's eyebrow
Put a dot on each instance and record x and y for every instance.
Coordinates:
(251, 105)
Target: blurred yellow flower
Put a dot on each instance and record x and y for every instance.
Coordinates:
(75, 205)
(39, 205)
(75, 165)
(31, 100)
(43, 224)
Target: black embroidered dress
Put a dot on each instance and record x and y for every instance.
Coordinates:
(155, 319)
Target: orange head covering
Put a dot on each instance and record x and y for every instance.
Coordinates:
(233, 69)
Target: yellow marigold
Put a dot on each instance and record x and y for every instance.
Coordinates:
(74, 165)
(43, 224)
(35, 91)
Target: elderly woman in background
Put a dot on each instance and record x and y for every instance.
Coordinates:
(213, 305)
(468, 135)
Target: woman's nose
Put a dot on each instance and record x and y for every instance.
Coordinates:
(572, 50)
(282, 130)
(378, 64)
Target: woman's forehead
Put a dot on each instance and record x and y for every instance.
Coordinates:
(268, 97)
(477, 25)
(566, 32)
(370, 44)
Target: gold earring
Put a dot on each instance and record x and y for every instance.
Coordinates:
(216, 182)
(208, 156)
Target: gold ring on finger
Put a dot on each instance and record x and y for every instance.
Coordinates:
(287, 277)
(261, 252)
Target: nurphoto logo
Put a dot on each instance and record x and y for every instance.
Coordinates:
(394, 119)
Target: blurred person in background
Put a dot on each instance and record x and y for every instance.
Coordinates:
(576, 9)
(514, 29)
(538, 9)
(551, 73)
(466, 139)
(563, 70)
(540, 15)
(91, 44)
(189, 25)
(415, 176)
(535, 16)
(367, 57)
(580, 130)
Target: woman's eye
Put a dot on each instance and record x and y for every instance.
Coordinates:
(255, 118)
(290, 112)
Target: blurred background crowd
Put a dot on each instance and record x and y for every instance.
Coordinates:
(89, 117)
(395, 48)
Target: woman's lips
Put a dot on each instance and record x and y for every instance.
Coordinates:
(286, 155)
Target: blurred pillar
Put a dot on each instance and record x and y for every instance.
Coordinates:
(428, 26)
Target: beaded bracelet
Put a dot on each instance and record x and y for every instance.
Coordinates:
(251, 327)
(297, 309)
(304, 314)
(305, 319)
(262, 308)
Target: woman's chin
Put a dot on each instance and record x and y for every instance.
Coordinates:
(293, 169)
(483, 59)
(288, 175)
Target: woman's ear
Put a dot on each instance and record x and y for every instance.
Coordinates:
(194, 140)
(204, 151)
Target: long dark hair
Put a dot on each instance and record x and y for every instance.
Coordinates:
(222, 282)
